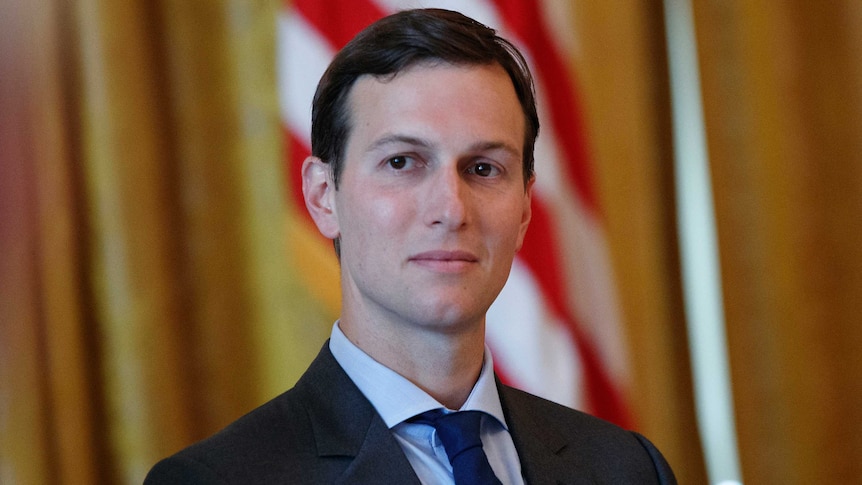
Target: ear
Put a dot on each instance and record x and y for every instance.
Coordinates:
(527, 213)
(319, 193)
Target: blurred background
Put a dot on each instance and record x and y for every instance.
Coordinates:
(159, 278)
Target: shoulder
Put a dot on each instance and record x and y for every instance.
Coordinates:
(267, 442)
(546, 433)
(275, 443)
(520, 405)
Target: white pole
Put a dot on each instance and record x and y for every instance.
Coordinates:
(701, 276)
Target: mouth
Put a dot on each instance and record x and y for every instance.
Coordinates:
(445, 261)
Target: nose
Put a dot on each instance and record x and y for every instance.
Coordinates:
(446, 200)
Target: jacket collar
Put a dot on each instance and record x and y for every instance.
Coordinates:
(345, 425)
(538, 442)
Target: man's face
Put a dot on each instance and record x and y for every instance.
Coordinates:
(431, 205)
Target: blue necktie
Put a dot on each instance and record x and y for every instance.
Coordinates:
(459, 433)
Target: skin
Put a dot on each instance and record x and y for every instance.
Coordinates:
(431, 208)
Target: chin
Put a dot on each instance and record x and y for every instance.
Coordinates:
(451, 321)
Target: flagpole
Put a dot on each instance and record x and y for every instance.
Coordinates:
(701, 276)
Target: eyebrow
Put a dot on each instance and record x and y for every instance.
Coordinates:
(396, 138)
(481, 146)
(495, 145)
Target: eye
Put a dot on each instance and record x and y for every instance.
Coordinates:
(399, 162)
(483, 169)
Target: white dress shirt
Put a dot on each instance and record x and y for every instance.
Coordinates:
(397, 399)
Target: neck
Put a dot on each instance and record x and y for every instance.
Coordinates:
(445, 364)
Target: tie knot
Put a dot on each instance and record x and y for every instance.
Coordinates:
(458, 431)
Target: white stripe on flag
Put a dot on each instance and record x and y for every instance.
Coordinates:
(303, 56)
(534, 348)
(591, 290)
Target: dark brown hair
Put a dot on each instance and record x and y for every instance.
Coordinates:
(402, 40)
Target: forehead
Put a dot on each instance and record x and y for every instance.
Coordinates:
(438, 100)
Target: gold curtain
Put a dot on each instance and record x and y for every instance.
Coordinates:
(782, 88)
(782, 91)
(622, 74)
(144, 271)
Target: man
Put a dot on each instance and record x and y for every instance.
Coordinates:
(423, 130)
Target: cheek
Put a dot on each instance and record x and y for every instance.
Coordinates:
(509, 219)
(375, 221)
(387, 211)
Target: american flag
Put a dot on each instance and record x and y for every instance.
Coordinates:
(555, 329)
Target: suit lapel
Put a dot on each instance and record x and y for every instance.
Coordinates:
(379, 460)
(538, 442)
(537, 451)
(346, 425)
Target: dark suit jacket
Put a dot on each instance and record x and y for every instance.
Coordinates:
(324, 430)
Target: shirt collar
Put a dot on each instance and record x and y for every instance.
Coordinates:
(397, 399)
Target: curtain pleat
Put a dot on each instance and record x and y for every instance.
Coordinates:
(623, 76)
(783, 101)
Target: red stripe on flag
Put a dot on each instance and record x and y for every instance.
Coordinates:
(541, 254)
(525, 20)
(338, 20)
(501, 373)
(541, 250)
